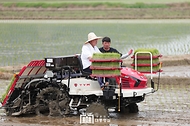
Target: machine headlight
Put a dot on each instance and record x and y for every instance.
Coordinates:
(49, 60)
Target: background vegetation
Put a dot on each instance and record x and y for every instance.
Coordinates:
(86, 4)
(95, 9)
(92, 1)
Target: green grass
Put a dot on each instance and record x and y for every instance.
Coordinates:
(98, 9)
(92, 1)
(87, 4)
(3, 70)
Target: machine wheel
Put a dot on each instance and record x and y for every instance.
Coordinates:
(9, 111)
(97, 110)
(133, 108)
(52, 102)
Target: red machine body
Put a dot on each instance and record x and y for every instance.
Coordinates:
(132, 79)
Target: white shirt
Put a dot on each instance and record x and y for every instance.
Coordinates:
(87, 51)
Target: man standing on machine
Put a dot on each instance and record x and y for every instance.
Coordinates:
(106, 42)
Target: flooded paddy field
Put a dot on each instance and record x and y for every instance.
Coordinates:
(169, 106)
(25, 40)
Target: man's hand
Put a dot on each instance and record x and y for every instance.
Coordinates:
(130, 52)
(90, 58)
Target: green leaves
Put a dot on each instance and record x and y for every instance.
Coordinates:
(81, 4)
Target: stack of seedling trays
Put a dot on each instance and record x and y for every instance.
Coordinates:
(146, 61)
(106, 64)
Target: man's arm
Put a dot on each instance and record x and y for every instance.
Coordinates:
(86, 52)
(127, 54)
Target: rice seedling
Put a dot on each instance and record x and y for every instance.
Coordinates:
(143, 60)
(106, 64)
(7, 90)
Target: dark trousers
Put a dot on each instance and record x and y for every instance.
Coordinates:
(87, 70)
(101, 80)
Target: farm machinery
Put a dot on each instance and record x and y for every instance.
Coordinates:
(58, 86)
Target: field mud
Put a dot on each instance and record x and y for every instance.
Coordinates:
(169, 106)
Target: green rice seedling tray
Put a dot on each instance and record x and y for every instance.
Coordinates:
(106, 56)
(148, 68)
(155, 53)
(146, 56)
(103, 75)
(145, 61)
(142, 61)
(104, 68)
(153, 72)
(106, 64)
(106, 60)
(106, 72)
(146, 65)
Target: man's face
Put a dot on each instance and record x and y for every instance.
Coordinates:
(94, 42)
(106, 45)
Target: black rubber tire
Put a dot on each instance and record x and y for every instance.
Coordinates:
(133, 108)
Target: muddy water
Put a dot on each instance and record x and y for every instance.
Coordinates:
(170, 105)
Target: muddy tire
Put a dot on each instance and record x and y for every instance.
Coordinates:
(52, 102)
(133, 108)
(9, 111)
(97, 109)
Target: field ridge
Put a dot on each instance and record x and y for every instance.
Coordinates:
(94, 11)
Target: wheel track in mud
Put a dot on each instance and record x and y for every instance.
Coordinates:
(97, 109)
